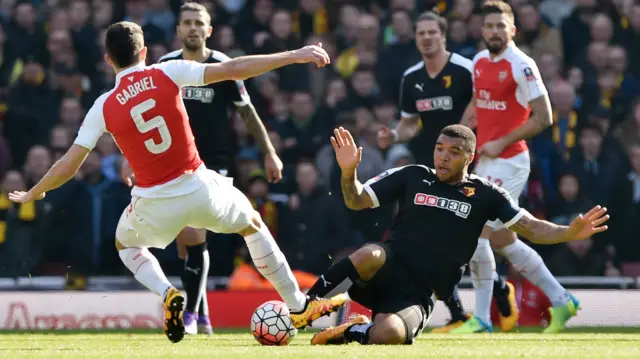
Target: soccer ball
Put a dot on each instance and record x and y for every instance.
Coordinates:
(271, 324)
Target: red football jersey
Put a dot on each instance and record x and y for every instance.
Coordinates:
(503, 87)
(145, 115)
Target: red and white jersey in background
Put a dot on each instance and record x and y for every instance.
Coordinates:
(145, 115)
(503, 87)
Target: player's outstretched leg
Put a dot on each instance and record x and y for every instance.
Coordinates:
(529, 263)
(387, 328)
(272, 264)
(458, 316)
(146, 270)
(194, 277)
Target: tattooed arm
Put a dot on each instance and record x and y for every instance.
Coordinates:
(355, 196)
(543, 232)
(542, 118)
(256, 128)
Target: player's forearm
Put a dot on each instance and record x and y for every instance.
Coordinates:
(256, 128)
(244, 67)
(407, 129)
(353, 192)
(469, 115)
(542, 118)
(60, 173)
(539, 231)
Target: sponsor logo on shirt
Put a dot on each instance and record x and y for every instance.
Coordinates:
(202, 94)
(460, 209)
(444, 103)
(485, 102)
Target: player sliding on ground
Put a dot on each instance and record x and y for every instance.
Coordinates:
(147, 119)
(434, 235)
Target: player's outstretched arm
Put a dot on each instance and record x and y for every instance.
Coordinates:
(348, 157)
(61, 172)
(543, 232)
(244, 67)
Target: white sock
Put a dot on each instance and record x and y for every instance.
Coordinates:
(145, 269)
(529, 263)
(203, 284)
(271, 263)
(482, 266)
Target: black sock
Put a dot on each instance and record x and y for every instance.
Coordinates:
(455, 306)
(358, 333)
(334, 277)
(501, 295)
(195, 271)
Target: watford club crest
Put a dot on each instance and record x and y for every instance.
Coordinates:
(468, 191)
(446, 80)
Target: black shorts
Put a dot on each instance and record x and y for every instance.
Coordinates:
(392, 289)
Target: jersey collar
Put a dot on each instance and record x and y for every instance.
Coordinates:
(504, 53)
(129, 70)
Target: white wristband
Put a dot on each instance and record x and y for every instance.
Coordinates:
(394, 133)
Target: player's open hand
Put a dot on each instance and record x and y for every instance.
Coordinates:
(588, 224)
(385, 138)
(273, 167)
(312, 53)
(347, 154)
(24, 197)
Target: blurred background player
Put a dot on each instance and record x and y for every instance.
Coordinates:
(207, 108)
(507, 88)
(435, 93)
(433, 237)
(145, 114)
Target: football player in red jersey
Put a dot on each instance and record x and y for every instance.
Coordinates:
(507, 88)
(146, 116)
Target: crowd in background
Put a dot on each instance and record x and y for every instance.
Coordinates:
(52, 69)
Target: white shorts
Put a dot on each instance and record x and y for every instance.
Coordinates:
(509, 173)
(155, 222)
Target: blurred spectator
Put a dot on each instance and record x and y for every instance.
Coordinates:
(316, 226)
(259, 196)
(160, 15)
(22, 229)
(550, 69)
(5, 154)
(136, 11)
(38, 162)
(631, 38)
(84, 35)
(26, 35)
(629, 131)
(398, 55)
(26, 121)
(596, 169)
(460, 39)
(535, 33)
(310, 19)
(109, 156)
(224, 40)
(625, 210)
(59, 142)
(253, 26)
(365, 47)
(577, 258)
(575, 29)
(570, 201)
(304, 133)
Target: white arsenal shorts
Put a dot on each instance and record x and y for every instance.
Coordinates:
(155, 222)
(509, 173)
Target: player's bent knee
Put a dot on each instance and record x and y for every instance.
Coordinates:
(502, 238)
(254, 227)
(191, 236)
(368, 260)
(387, 329)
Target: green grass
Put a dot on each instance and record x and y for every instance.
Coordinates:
(584, 343)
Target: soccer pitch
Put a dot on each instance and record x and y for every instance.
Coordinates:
(608, 344)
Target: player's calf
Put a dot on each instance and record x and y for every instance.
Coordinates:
(194, 274)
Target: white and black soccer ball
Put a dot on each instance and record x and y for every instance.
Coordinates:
(271, 324)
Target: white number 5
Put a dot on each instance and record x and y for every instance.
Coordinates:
(157, 122)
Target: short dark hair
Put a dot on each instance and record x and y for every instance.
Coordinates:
(591, 127)
(195, 7)
(463, 132)
(497, 7)
(123, 41)
(434, 15)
